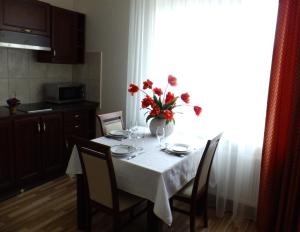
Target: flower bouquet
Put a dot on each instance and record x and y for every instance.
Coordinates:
(159, 104)
(12, 104)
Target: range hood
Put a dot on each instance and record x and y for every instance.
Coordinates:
(24, 40)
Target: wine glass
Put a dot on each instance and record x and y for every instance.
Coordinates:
(160, 135)
(133, 129)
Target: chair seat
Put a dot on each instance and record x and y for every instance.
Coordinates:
(186, 191)
(127, 200)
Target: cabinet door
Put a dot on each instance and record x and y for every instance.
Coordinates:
(7, 169)
(27, 132)
(52, 144)
(67, 38)
(27, 16)
(63, 37)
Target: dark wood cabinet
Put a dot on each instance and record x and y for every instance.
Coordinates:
(52, 145)
(34, 148)
(39, 154)
(67, 38)
(27, 16)
(27, 149)
(7, 159)
(76, 123)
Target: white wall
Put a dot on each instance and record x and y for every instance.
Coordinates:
(107, 23)
(67, 4)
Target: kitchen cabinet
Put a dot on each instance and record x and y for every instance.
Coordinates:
(35, 148)
(76, 123)
(38, 142)
(67, 38)
(7, 169)
(27, 16)
(52, 145)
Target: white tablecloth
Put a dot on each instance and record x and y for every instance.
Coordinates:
(152, 174)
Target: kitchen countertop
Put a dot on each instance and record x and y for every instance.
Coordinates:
(4, 111)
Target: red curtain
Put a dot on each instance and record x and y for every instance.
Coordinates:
(279, 196)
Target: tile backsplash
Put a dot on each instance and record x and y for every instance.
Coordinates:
(89, 73)
(23, 76)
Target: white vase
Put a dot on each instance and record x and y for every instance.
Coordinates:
(157, 122)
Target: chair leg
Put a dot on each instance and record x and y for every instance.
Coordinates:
(192, 223)
(88, 220)
(116, 223)
(205, 217)
(205, 214)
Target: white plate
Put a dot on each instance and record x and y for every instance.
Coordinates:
(118, 133)
(179, 148)
(122, 149)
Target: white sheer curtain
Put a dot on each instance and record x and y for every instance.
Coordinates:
(220, 51)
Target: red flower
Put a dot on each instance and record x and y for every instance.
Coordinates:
(158, 91)
(172, 80)
(133, 89)
(168, 115)
(197, 110)
(147, 101)
(147, 84)
(185, 97)
(169, 98)
(155, 111)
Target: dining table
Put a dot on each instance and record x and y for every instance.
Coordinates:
(150, 172)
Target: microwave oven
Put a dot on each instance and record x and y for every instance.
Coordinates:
(64, 92)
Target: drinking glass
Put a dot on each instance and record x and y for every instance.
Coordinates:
(133, 130)
(160, 135)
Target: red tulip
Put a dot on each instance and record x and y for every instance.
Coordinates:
(197, 110)
(147, 84)
(155, 111)
(169, 98)
(172, 80)
(158, 91)
(168, 115)
(147, 101)
(133, 89)
(185, 97)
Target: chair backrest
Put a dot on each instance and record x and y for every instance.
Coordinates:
(203, 172)
(98, 172)
(110, 121)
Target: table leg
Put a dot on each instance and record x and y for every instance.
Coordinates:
(81, 222)
(154, 223)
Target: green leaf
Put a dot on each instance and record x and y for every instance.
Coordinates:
(157, 101)
(148, 118)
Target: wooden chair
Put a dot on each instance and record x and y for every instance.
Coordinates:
(110, 121)
(195, 192)
(100, 187)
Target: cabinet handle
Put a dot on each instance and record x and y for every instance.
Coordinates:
(76, 126)
(44, 126)
(39, 127)
(54, 53)
(27, 30)
(76, 116)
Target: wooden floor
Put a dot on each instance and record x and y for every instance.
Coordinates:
(52, 208)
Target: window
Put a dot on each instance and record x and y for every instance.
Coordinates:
(221, 53)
